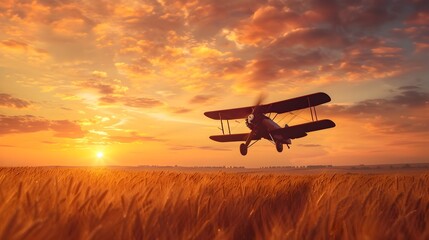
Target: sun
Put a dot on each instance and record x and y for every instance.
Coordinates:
(100, 155)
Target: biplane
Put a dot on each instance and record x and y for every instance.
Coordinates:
(262, 126)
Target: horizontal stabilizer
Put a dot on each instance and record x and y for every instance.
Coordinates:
(232, 137)
(289, 105)
(301, 130)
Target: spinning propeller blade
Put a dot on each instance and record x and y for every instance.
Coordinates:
(258, 102)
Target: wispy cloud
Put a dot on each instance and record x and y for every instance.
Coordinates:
(133, 137)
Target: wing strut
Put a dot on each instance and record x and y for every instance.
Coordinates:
(221, 124)
(315, 113)
(312, 109)
(309, 105)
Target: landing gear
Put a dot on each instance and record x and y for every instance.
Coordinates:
(243, 149)
(279, 146)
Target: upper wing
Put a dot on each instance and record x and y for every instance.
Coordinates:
(235, 113)
(301, 130)
(293, 104)
(232, 137)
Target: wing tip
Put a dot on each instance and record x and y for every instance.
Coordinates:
(210, 115)
(325, 95)
(329, 123)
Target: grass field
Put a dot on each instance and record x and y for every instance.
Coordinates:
(91, 203)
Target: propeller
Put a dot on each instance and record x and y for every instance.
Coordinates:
(256, 112)
(262, 96)
(255, 117)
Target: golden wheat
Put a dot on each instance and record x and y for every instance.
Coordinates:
(91, 203)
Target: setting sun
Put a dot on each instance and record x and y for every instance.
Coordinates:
(100, 155)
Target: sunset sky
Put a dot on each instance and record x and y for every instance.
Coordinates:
(130, 80)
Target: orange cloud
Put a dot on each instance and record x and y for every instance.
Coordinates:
(13, 44)
(7, 100)
(13, 48)
(136, 102)
(312, 37)
(104, 86)
(419, 18)
(133, 137)
(267, 23)
(201, 99)
(30, 123)
(140, 102)
(421, 46)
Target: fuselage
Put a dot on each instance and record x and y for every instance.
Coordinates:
(264, 127)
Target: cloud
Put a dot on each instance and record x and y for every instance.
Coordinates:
(191, 147)
(140, 102)
(421, 47)
(272, 67)
(133, 137)
(407, 97)
(136, 102)
(113, 92)
(7, 100)
(273, 19)
(310, 145)
(7, 145)
(312, 37)
(12, 49)
(266, 24)
(201, 99)
(419, 18)
(208, 17)
(369, 58)
(103, 85)
(30, 123)
(14, 44)
(180, 110)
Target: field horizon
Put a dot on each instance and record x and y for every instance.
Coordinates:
(233, 168)
(135, 203)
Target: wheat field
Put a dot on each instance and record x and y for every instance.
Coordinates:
(101, 203)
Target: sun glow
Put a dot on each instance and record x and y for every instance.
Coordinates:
(100, 155)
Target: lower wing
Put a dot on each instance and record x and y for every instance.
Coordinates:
(232, 137)
(301, 130)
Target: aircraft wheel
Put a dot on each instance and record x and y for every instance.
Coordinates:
(279, 146)
(243, 149)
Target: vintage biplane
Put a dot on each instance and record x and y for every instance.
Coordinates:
(262, 126)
